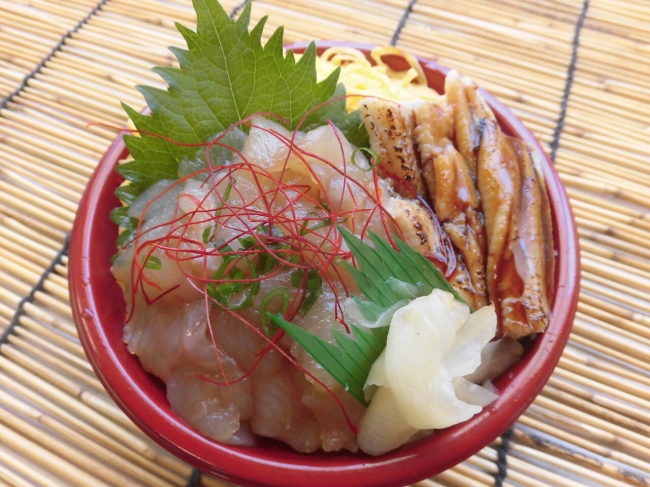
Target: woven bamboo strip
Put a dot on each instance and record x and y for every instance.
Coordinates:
(605, 350)
(111, 107)
(593, 250)
(616, 216)
(63, 309)
(33, 213)
(453, 478)
(536, 28)
(597, 203)
(601, 332)
(598, 398)
(51, 360)
(32, 20)
(57, 419)
(41, 146)
(79, 137)
(59, 352)
(626, 326)
(522, 471)
(112, 459)
(428, 483)
(6, 312)
(9, 297)
(82, 416)
(47, 317)
(32, 472)
(13, 283)
(11, 479)
(630, 310)
(611, 242)
(63, 450)
(593, 362)
(15, 157)
(615, 274)
(619, 287)
(48, 111)
(49, 138)
(602, 168)
(54, 304)
(207, 481)
(71, 474)
(635, 189)
(78, 108)
(489, 457)
(25, 270)
(635, 443)
(601, 450)
(51, 336)
(600, 187)
(20, 175)
(560, 464)
(472, 474)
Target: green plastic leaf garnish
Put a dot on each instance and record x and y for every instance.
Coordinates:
(379, 272)
(226, 75)
(348, 361)
(378, 265)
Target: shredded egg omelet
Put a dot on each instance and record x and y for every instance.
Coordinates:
(364, 79)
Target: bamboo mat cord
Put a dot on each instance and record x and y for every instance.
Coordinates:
(39, 67)
(559, 127)
(39, 286)
(502, 458)
(402, 22)
(195, 477)
(236, 10)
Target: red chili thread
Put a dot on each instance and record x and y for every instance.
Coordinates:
(273, 203)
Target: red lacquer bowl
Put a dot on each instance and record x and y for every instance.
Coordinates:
(99, 311)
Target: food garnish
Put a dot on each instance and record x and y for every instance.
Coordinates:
(315, 261)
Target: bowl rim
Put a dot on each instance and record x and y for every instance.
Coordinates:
(254, 468)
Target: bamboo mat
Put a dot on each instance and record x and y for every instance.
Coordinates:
(577, 73)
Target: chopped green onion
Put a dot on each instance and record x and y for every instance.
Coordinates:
(247, 242)
(226, 195)
(269, 328)
(296, 277)
(224, 291)
(222, 246)
(207, 233)
(371, 153)
(313, 289)
(153, 263)
(265, 262)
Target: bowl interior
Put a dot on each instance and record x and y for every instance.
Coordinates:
(99, 310)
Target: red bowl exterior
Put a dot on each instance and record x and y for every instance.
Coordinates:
(99, 310)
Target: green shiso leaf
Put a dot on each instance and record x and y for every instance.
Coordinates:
(224, 76)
